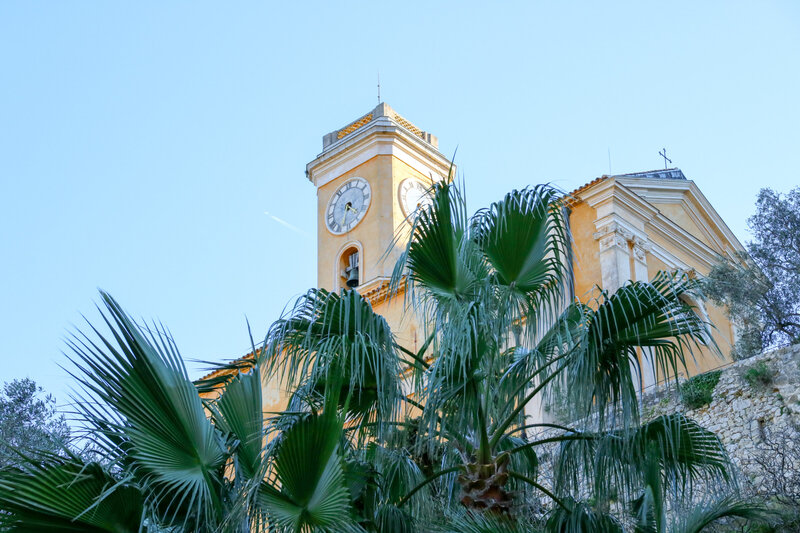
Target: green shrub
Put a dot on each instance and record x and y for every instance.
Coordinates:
(699, 390)
(759, 376)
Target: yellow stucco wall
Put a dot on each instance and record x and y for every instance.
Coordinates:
(588, 275)
(377, 231)
(373, 232)
(404, 324)
(705, 358)
(396, 310)
(586, 250)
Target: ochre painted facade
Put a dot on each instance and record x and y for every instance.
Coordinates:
(631, 226)
(624, 227)
(585, 251)
(385, 151)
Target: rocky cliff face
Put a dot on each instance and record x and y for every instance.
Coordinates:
(754, 420)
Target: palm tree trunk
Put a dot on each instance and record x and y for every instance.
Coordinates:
(483, 486)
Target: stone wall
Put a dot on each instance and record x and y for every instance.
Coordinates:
(742, 415)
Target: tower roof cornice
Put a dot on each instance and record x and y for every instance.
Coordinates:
(381, 111)
(380, 132)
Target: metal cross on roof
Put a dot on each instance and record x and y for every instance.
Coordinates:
(663, 153)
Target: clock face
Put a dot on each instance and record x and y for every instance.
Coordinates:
(413, 194)
(348, 205)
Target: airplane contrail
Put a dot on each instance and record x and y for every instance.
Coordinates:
(286, 224)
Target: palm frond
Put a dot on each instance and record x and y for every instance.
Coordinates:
(141, 398)
(704, 514)
(68, 494)
(435, 258)
(308, 491)
(238, 412)
(669, 452)
(526, 460)
(398, 473)
(464, 522)
(578, 517)
(606, 367)
(337, 340)
(686, 451)
(392, 519)
(526, 241)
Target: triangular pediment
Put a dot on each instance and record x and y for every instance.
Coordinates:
(662, 208)
(682, 202)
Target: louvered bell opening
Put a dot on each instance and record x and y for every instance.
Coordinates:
(351, 272)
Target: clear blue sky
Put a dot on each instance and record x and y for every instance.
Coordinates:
(142, 143)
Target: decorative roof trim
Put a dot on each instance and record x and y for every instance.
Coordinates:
(382, 110)
(623, 191)
(380, 137)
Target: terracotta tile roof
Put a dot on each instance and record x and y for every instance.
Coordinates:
(573, 197)
(227, 371)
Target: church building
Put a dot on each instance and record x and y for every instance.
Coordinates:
(373, 172)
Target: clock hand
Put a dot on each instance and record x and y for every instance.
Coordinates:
(347, 208)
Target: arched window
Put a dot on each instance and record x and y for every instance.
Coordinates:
(349, 268)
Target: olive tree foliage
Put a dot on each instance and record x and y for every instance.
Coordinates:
(29, 421)
(762, 289)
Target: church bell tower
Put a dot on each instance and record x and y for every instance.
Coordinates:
(370, 175)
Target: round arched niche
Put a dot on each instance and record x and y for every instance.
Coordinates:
(349, 270)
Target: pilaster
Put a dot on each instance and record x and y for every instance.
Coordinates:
(639, 248)
(623, 257)
(616, 242)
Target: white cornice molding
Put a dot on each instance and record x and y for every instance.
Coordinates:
(694, 202)
(610, 190)
(666, 257)
(615, 223)
(615, 192)
(376, 290)
(380, 137)
(684, 241)
(711, 213)
(596, 194)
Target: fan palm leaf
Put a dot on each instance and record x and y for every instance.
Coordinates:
(578, 517)
(460, 522)
(331, 338)
(525, 241)
(238, 412)
(704, 514)
(605, 367)
(669, 451)
(438, 256)
(308, 491)
(68, 494)
(148, 404)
